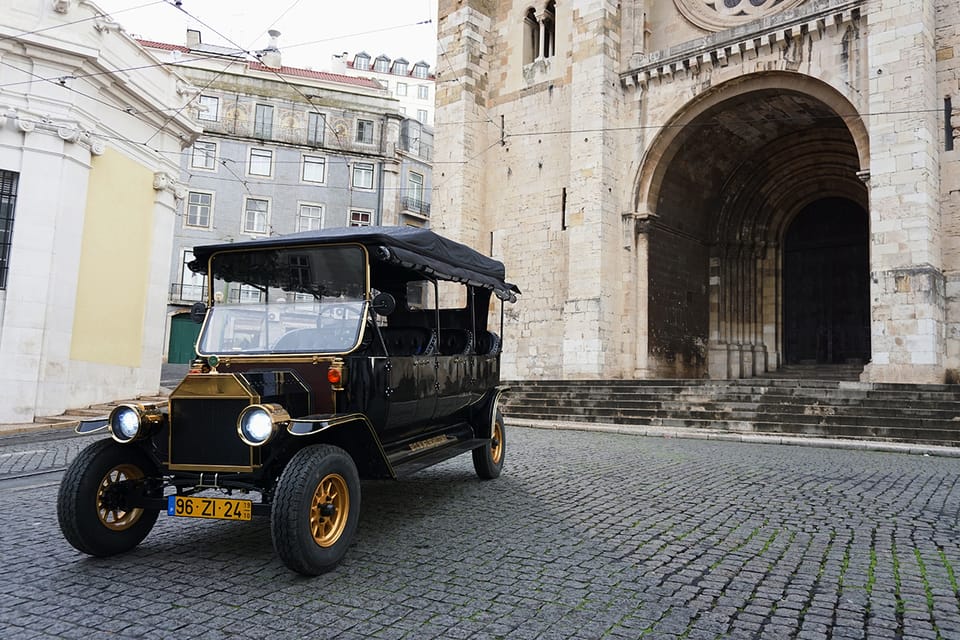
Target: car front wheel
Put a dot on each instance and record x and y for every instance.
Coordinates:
(91, 503)
(315, 509)
(488, 459)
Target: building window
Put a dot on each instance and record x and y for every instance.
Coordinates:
(540, 34)
(199, 206)
(310, 217)
(8, 201)
(209, 108)
(422, 116)
(420, 70)
(204, 155)
(261, 162)
(365, 131)
(403, 111)
(382, 64)
(360, 218)
(263, 121)
(400, 67)
(361, 62)
(363, 175)
(314, 169)
(413, 199)
(401, 88)
(423, 92)
(256, 213)
(192, 285)
(316, 124)
(386, 84)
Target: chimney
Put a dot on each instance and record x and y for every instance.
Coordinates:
(271, 55)
(338, 62)
(193, 38)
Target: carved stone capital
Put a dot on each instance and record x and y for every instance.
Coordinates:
(25, 125)
(163, 181)
(864, 176)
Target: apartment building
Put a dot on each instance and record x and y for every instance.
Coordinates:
(413, 85)
(284, 149)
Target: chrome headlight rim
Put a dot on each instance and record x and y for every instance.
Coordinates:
(129, 422)
(270, 417)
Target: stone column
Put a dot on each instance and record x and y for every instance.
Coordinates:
(907, 284)
(643, 225)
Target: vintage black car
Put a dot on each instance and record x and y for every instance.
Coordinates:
(324, 356)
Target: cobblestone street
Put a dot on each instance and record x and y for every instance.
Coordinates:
(586, 535)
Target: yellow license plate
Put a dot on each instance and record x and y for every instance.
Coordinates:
(214, 508)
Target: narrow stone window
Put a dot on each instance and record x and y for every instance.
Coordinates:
(8, 199)
(531, 36)
(550, 30)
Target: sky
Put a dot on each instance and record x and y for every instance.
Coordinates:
(311, 31)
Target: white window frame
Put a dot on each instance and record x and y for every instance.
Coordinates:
(204, 156)
(206, 112)
(191, 279)
(361, 63)
(243, 217)
(188, 205)
(362, 212)
(381, 65)
(401, 68)
(421, 71)
(316, 132)
(423, 92)
(307, 160)
(422, 116)
(401, 88)
(261, 154)
(360, 138)
(301, 206)
(262, 126)
(358, 169)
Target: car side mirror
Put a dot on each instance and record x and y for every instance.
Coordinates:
(384, 304)
(198, 312)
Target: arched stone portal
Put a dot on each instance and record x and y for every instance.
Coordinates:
(733, 171)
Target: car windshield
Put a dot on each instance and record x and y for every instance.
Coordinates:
(304, 300)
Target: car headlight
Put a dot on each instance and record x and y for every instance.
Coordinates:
(258, 423)
(129, 422)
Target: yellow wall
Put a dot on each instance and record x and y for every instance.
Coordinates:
(114, 262)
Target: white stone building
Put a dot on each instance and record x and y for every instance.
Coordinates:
(91, 134)
(685, 188)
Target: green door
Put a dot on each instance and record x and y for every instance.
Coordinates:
(183, 339)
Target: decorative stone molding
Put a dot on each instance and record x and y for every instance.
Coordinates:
(163, 181)
(61, 6)
(106, 25)
(718, 15)
(864, 176)
(41, 124)
(636, 223)
(754, 38)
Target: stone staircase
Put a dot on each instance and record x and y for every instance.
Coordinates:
(799, 406)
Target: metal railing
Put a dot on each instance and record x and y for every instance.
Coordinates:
(415, 205)
(180, 292)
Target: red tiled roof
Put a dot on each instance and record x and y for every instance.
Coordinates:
(163, 45)
(289, 71)
(317, 75)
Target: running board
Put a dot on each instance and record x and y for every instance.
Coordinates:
(412, 462)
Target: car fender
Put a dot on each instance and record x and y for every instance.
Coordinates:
(354, 433)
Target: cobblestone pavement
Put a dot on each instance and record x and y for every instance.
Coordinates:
(586, 535)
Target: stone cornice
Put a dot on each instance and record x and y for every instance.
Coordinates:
(814, 19)
(65, 130)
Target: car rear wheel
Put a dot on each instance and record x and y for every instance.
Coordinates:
(488, 459)
(316, 507)
(91, 505)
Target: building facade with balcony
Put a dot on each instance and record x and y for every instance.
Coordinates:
(284, 150)
(413, 85)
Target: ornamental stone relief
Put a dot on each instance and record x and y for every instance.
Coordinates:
(717, 15)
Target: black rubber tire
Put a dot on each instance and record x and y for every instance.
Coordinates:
(488, 459)
(78, 505)
(291, 524)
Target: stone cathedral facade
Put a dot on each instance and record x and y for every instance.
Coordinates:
(709, 188)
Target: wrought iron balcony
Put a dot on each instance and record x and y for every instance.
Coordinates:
(182, 293)
(414, 204)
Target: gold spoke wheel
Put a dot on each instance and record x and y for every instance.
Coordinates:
(496, 443)
(329, 510)
(111, 516)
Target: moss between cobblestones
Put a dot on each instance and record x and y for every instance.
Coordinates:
(928, 591)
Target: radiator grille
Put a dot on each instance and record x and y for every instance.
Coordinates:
(203, 433)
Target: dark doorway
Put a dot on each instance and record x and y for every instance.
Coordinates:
(826, 295)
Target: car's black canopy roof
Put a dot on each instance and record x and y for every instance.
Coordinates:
(410, 247)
